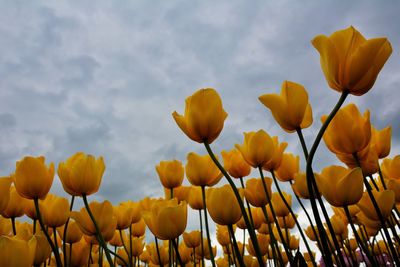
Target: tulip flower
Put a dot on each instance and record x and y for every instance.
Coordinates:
(340, 186)
(289, 167)
(137, 246)
(171, 173)
(162, 251)
(81, 174)
(15, 252)
(223, 237)
(195, 198)
(391, 168)
(134, 208)
(103, 215)
(33, 178)
(79, 252)
(180, 192)
(349, 61)
(226, 214)
(385, 200)
(367, 159)
(234, 163)
(123, 213)
(16, 205)
(42, 251)
(279, 206)
(276, 159)
(139, 228)
(394, 185)
(381, 139)
(257, 149)
(5, 226)
(74, 233)
(167, 219)
(54, 210)
(192, 239)
(204, 116)
(299, 185)
(348, 132)
(254, 191)
(201, 170)
(291, 108)
(263, 241)
(5, 184)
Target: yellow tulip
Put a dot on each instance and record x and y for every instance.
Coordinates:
(5, 226)
(123, 213)
(394, 185)
(204, 116)
(263, 242)
(367, 158)
(185, 253)
(257, 149)
(137, 246)
(134, 208)
(276, 159)
(5, 184)
(15, 252)
(116, 239)
(201, 170)
(139, 228)
(223, 237)
(349, 61)
(74, 233)
(299, 185)
(291, 108)
(339, 225)
(391, 168)
(288, 168)
(171, 173)
(310, 233)
(294, 243)
(167, 219)
(279, 206)
(163, 252)
(341, 186)
(256, 214)
(81, 174)
(207, 254)
(103, 214)
(234, 163)
(385, 200)
(287, 222)
(43, 249)
(382, 141)
(348, 132)
(229, 212)
(55, 210)
(16, 205)
(192, 239)
(255, 193)
(180, 192)
(33, 178)
(79, 254)
(195, 198)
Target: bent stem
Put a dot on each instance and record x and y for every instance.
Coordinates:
(250, 228)
(177, 252)
(100, 238)
(203, 193)
(53, 248)
(311, 179)
(235, 245)
(64, 246)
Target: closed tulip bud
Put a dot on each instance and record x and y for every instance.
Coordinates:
(391, 168)
(5, 226)
(289, 167)
(234, 163)
(42, 251)
(139, 228)
(300, 187)
(258, 217)
(382, 141)
(268, 218)
(279, 206)
(15, 252)
(103, 214)
(340, 186)
(206, 254)
(338, 224)
(135, 210)
(192, 239)
(385, 200)
(5, 184)
(348, 132)
(116, 240)
(137, 246)
(146, 204)
(180, 192)
(204, 116)
(349, 61)
(255, 193)
(195, 198)
(263, 242)
(33, 178)
(171, 173)
(123, 213)
(81, 174)
(257, 149)
(276, 159)
(16, 205)
(394, 185)
(294, 243)
(167, 219)
(122, 254)
(79, 254)
(55, 210)
(367, 159)
(287, 222)
(185, 253)
(310, 233)
(162, 251)
(222, 262)
(74, 233)
(145, 256)
(229, 212)
(285, 234)
(223, 237)
(30, 210)
(263, 229)
(291, 108)
(201, 170)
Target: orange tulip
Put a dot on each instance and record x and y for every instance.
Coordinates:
(201, 170)
(234, 163)
(276, 159)
(171, 173)
(289, 167)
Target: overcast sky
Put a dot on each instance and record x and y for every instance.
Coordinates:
(103, 77)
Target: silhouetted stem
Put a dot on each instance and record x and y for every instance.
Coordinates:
(65, 231)
(235, 246)
(203, 193)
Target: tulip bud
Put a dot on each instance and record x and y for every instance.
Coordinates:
(171, 173)
(234, 164)
(201, 170)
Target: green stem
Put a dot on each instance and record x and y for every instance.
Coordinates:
(201, 238)
(158, 251)
(64, 246)
(178, 256)
(14, 229)
(119, 257)
(203, 192)
(130, 244)
(99, 236)
(235, 246)
(251, 230)
(53, 248)
(123, 244)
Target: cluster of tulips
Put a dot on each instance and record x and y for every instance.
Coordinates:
(363, 195)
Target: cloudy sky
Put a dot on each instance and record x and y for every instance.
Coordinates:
(103, 77)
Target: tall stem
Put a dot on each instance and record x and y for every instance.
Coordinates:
(250, 228)
(235, 245)
(158, 251)
(53, 248)
(99, 236)
(201, 238)
(203, 193)
(177, 252)
(64, 246)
